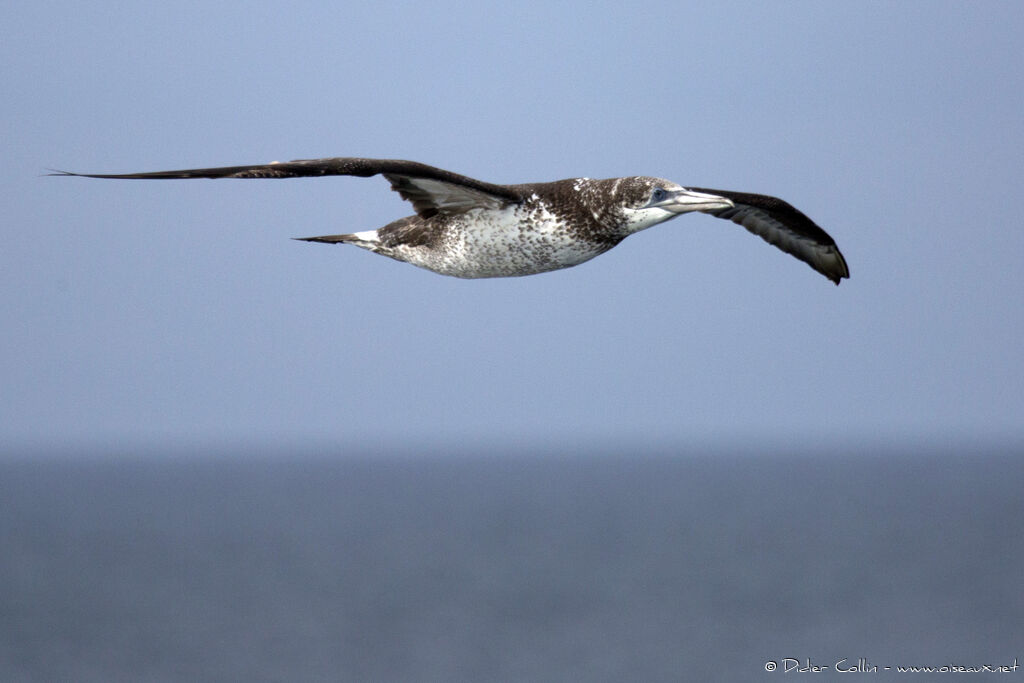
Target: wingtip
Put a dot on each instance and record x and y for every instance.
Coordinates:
(830, 263)
(844, 269)
(836, 278)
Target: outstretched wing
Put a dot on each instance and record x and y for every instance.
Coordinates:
(787, 228)
(431, 190)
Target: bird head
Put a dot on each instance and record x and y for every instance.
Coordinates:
(647, 201)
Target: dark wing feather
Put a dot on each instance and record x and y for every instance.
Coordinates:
(782, 225)
(431, 190)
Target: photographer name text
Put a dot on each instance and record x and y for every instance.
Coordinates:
(793, 665)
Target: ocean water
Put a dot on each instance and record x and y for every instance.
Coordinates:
(661, 567)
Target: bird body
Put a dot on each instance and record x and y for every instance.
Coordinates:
(554, 225)
(470, 229)
(522, 239)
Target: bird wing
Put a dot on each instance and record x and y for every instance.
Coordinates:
(430, 196)
(784, 226)
(430, 190)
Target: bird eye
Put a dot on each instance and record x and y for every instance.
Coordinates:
(658, 194)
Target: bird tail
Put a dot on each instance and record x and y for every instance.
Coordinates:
(360, 238)
(327, 239)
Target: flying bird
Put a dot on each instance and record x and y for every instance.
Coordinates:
(471, 229)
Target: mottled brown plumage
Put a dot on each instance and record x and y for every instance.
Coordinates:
(468, 228)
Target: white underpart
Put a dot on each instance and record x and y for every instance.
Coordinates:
(641, 219)
(515, 240)
(367, 236)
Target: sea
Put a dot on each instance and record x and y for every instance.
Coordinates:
(551, 565)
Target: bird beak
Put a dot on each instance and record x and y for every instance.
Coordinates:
(682, 201)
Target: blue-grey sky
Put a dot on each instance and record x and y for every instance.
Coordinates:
(180, 310)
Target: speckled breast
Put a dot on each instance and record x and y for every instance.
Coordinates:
(520, 240)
